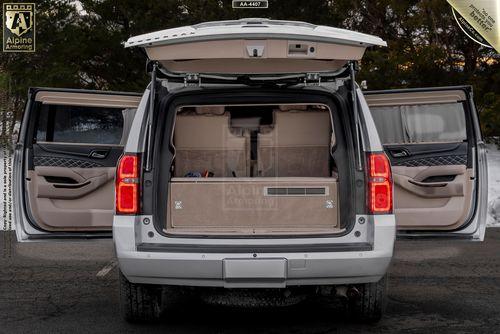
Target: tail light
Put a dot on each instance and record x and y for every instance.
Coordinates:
(380, 199)
(127, 185)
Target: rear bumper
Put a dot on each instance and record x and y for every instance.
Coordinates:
(208, 269)
(251, 269)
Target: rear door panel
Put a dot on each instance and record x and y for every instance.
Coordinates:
(432, 185)
(432, 139)
(71, 186)
(65, 161)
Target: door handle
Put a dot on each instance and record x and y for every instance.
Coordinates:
(71, 186)
(98, 154)
(428, 184)
(71, 191)
(399, 153)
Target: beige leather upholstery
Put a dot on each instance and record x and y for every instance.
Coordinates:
(297, 145)
(210, 110)
(86, 205)
(293, 107)
(204, 142)
(438, 205)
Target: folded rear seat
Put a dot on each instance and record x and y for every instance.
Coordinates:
(203, 141)
(298, 145)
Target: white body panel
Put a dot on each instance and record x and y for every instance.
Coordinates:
(206, 269)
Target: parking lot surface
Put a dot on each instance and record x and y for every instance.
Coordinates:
(435, 287)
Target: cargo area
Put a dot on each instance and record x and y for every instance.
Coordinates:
(253, 170)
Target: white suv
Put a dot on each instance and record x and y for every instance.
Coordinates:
(252, 166)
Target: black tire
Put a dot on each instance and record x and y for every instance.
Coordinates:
(139, 302)
(370, 305)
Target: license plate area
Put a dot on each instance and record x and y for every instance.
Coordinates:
(255, 269)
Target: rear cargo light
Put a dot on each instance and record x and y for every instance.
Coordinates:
(127, 185)
(380, 199)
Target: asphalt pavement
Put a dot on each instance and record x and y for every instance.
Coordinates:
(72, 287)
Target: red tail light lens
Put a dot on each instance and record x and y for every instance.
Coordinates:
(380, 199)
(127, 185)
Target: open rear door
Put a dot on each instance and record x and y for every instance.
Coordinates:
(64, 164)
(252, 47)
(433, 140)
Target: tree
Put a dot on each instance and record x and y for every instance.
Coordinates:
(79, 44)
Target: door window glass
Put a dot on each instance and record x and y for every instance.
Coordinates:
(426, 123)
(76, 124)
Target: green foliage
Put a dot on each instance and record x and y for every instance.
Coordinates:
(490, 115)
(79, 44)
(4, 80)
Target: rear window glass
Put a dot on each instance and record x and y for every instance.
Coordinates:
(427, 123)
(75, 124)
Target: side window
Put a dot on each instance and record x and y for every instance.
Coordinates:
(83, 125)
(424, 123)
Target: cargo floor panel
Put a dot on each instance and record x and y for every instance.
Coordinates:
(253, 205)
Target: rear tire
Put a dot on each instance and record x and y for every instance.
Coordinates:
(139, 302)
(370, 305)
